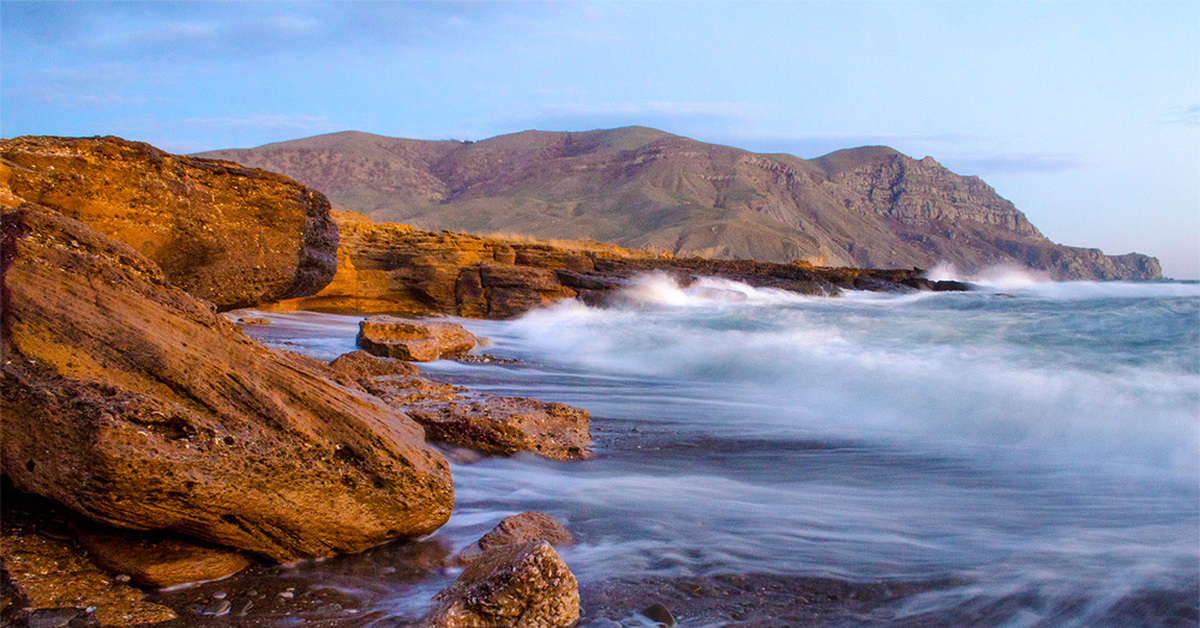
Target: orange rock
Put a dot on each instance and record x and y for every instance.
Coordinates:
(158, 560)
(134, 404)
(412, 340)
(233, 236)
(524, 585)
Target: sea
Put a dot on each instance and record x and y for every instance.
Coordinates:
(1027, 452)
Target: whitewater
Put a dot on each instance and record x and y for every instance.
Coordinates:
(1031, 447)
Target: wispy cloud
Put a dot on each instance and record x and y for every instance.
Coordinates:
(1189, 115)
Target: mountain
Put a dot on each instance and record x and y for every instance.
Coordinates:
(869, 207)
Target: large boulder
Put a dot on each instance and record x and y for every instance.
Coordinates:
(231, 235)
(134, 404)
(518, 585)
(413, 340)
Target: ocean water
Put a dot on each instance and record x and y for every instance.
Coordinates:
(1033, 446)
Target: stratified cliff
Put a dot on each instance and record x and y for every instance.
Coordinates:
(864, 207)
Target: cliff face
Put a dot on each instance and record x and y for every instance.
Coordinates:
(866, 207)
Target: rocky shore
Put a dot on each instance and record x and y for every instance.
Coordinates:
(147, 442)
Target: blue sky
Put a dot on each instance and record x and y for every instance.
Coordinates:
(1084, 114)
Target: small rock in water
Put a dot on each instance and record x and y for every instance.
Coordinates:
(217, 608)
(219, 595)
(57, 617)
(287, 595)
(660, 614)
(122, 578)
(241, 607)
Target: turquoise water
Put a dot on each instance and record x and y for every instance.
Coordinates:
(1038, 444)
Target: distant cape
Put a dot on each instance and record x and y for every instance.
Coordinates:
(868, 207)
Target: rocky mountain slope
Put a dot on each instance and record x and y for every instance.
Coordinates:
(865, 207)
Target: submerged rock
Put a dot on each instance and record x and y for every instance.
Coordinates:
(487, 423)
(412, 340)
(134, 404)
(233, 236)
(519, 585)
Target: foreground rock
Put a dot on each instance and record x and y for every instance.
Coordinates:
(519, 585)
(520, 528)
(391, 268)
(415, 341)
(50, 584)
(231, 235)
(158, 560)
(487, 423)
(133, 404)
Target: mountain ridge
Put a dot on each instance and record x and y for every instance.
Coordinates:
(638, 187)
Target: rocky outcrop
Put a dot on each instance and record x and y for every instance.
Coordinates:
(133, 404)
(233, 236)
(394, 268)
(868, 207)
(519, 585)
(411, 340)
(486, 423)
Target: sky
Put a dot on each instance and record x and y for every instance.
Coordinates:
(1085, 114)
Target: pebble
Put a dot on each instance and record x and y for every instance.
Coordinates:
(287, 595)
(219, 595)
(217, 608)
(53, 617)
(122, 578)
(241, 607)
(660, 614)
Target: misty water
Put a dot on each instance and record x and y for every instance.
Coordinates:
(1033, 446)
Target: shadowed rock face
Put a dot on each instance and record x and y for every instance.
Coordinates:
(868, 207)
(233, 236)
(134, 404)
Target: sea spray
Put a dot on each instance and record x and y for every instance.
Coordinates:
(1036, 444)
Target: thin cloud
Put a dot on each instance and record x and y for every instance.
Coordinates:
(1189, 116)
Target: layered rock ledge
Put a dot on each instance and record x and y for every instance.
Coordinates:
(392, 268)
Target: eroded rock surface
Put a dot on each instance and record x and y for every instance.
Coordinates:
(134, 404)
(519, 585)
(488, 423)
(519, 528)
(391, 268)
(158, 560)
(231, 235)
(412, 340)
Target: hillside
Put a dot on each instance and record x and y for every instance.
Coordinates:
(866, 207)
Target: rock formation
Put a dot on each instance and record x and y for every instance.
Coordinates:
(415, 341)
(230, 235)
(397, 269)
(869, 207)
(519, 528)
(134, 404)
(464, 418)
(519, 585)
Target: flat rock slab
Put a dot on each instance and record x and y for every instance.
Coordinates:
(158, 560)
(52, 578)
(413, 340)
(487, 423)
